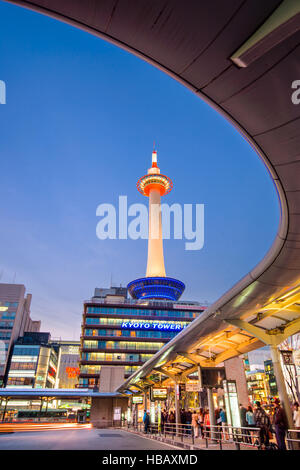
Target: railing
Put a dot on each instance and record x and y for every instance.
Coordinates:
(247, 436)
(293, 439)
(220, 435)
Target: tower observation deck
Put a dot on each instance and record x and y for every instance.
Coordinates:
(156, 285)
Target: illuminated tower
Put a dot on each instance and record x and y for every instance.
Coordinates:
(156, 285)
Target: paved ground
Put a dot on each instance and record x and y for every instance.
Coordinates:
(83, 439)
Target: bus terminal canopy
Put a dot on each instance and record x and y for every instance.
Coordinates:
(242, 58)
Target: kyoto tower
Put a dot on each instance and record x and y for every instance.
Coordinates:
(156, 285)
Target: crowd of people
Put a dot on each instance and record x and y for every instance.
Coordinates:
(268, 423)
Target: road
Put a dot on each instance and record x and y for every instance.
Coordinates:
(82, 439)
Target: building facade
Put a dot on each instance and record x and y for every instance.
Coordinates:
(14, 321)
(119, 331)
(68, 364)
(33, 363)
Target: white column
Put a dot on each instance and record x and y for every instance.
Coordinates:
(155, 262)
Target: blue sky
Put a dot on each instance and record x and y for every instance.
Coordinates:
(77, 131)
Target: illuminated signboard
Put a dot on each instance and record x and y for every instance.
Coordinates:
(72, 372)
(137, 400)
(152, 326)
(159, 393)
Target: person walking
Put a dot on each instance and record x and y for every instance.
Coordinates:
(296, 418)
(195, 425)
(146, 422)
(244, 424)
(183, 421)
(250, 422)
(172, 420)
(201, 421)
(188, 421)
(296, 415)
(262, 421)
(223, 423)
(281, 425)
(206, 424)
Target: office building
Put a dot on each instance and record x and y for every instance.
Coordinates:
(68, 363)
(270, 378)
(127, 332)
(14, 321)
(33, 363)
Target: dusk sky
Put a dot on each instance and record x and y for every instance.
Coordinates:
(77, 131)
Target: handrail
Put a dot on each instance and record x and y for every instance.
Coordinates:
(247, 436)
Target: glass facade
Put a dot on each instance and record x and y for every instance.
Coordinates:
(32, 366)
(126, 335)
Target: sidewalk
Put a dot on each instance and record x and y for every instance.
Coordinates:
(185, 442)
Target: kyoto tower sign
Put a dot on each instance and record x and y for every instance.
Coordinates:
(156, 285)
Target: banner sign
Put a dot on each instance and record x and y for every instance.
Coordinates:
(159, 393)
(287, 357)
(152, 326)
(192, 387)
(137, 400)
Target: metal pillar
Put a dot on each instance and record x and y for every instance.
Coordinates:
(211, 409)
(145, 400)
(281, 385)
(200, 386)
(41, 407)
(177, 406)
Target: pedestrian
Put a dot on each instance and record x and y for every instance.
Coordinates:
(201, 421)
(250, 422)
(206, 424)
(281, 425)
(188, 421)
(163, 419)
(223, 423)
(182, 421)
(195, 419)
(244, 424)
(296, 418)
(172, 420)
(262, 421)
(146, 422)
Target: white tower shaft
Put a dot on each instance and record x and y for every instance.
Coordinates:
(155, 262)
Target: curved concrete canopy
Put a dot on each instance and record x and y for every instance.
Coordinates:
(193, 43)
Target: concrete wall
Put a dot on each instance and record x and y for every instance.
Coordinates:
(102, 411)
(235, 371)
(111, 377)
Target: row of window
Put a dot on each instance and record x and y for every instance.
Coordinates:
(5, 335)
(9, 304)
(6, 325)
(20, 381)
(134, 333)
(122, 345)
(97, 356)
(8, 316)
(142, 312)
(120, 321)
(96, 369)
(23, 366)
(26, 351)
